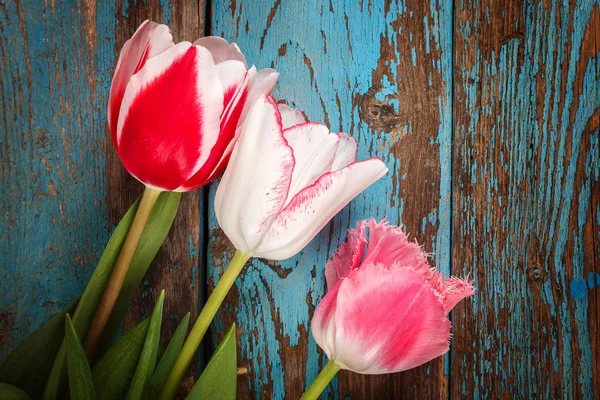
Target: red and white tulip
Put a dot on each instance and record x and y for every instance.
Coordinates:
(286, 179)
(386, 309)
(174, 108)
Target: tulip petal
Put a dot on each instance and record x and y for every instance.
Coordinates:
(415, 330)
(263, 84)
(314, 206)
(232, 119)
(323, 322)
(314, 151)
(221, 150)
(170, 115)
(148, 40)
(256, 183)
(221, 50)
(231, 74)
(389, 245)
(455, 290)
(291, 116)
(346, 152)
(255, 84)
(348, 256)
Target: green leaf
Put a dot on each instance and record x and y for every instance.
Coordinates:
(81, 386)
(169, 357)
(112, 374)
(219, 379)
(10, 392)
(156, 230)
(29, 365)
(147, 362)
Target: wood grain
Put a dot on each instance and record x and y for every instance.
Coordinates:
(526, 199)
(55, 76)
(382, 74)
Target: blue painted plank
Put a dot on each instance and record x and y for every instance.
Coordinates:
(63, 186)
(526, 199)
(382, 74)
(54, 83)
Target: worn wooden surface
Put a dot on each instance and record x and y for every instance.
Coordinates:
(487, 114)
(527, 199)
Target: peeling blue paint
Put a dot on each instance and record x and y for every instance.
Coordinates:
(193, 250)
(593, 280)
(578, 289)
(51, 243)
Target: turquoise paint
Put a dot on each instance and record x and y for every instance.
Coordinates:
(427, 35)
(593, 280)
(193, 250)
(540, 199)
(578, 289)
(125, 9)
(167, 12)
(50, 242)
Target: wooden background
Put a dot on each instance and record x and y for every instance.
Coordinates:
(486, 112)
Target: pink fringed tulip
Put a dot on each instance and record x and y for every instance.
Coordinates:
(174, 108)
(286, 179)
(386, 309)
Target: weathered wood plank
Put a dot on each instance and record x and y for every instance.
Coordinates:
(55, 77)
(381, 72)
(64, 188)
(526, 199)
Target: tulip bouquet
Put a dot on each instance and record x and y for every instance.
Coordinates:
(179, 116)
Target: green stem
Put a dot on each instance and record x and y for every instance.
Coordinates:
(321, 381)
(113, 288)
(202, 323)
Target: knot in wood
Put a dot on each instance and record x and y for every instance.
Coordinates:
(380, 115)
(535, 274)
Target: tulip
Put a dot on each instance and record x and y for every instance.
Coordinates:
(174, 108)
(386, 308)
(286, 179)
(173, 115)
